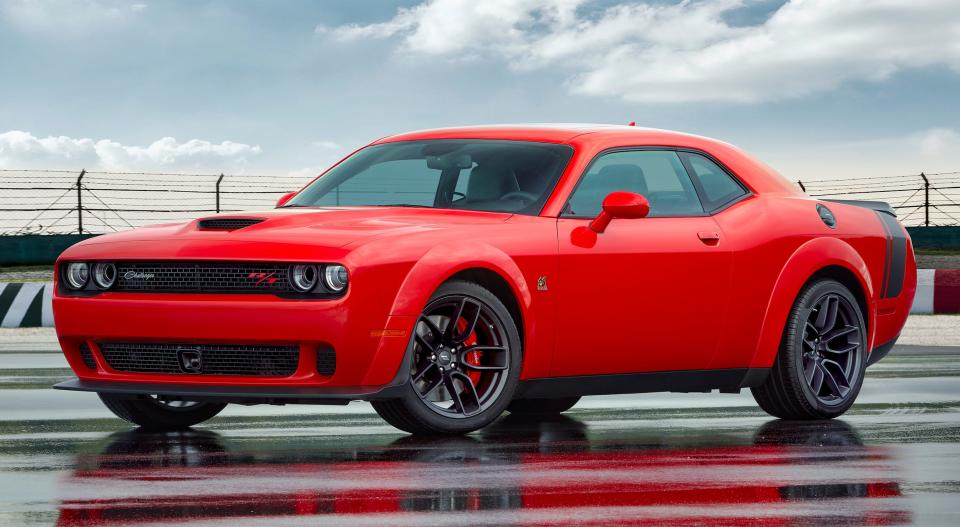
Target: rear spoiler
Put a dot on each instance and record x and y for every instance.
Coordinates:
(879, 206)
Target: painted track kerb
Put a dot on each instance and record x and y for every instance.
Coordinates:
(26, 304)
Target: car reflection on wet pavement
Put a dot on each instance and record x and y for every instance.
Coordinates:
(547, 473)
(655, 459)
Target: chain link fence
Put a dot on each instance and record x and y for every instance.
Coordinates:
(66, 202)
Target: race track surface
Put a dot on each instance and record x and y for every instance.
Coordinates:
(656, 459)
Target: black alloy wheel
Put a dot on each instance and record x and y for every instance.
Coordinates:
(832, 349)
(464, 364)
(459, 370)
(819, 368)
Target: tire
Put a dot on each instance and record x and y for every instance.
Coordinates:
(435, 342)
(542, 406)
(825, 319)
(151, 413)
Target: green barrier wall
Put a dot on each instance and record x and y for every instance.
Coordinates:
(947, 238)
(36, 249)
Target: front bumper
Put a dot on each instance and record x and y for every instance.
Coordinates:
(369, 344)
(335, 395)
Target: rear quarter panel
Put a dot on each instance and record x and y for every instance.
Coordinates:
(779, 242)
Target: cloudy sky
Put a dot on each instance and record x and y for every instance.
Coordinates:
(818, 88)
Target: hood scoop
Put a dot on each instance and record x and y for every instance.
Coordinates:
(227, 224)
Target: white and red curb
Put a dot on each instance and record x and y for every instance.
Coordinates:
(28, 304)
(938, 291)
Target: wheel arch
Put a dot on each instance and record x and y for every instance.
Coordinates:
(817, 258)
(482, 264)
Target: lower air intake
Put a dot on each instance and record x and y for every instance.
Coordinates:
(87, 356)
(205, 359)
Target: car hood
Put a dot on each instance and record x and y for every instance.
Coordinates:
(327, 227)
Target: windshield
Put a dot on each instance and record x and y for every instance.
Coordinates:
(485, 175)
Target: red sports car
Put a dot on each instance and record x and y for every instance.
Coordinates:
(450, 275)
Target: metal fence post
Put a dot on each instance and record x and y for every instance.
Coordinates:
(926, 200)
(219, 179)
(803, 188)
(83, 172)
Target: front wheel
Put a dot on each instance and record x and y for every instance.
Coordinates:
(819, 369)
(464, 364)
(159, 414)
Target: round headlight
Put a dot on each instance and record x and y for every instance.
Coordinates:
(104, 275)
(77, 275)
(303, 277)
(335, 277)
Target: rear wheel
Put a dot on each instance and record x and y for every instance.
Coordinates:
(542, 406)
(819, 368)
(464, 367)
(156, 413)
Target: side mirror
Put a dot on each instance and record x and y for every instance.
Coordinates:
(285, 198)
(620, 205)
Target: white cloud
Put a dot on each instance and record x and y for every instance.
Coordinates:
(939, 141)
(685, 51)
(20, 149)
(68, 16)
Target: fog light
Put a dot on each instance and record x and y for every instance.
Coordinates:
(303, 277)
(77, 275)
(104, 275)
(335, 277)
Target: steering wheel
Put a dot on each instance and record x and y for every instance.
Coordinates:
(519, 194)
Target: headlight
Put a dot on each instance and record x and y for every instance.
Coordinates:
(104, 275)
(77, 275)
(303, 277)
(335, 277)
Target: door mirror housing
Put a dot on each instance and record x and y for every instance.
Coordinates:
(285, 198)
(620, 204)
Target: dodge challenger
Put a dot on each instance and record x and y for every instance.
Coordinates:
(448, 276)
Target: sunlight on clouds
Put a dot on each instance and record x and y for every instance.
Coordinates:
(20, 149)
(686, 51)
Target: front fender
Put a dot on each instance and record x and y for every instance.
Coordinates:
(809, 258)
(440, 263)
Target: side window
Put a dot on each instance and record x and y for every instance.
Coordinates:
(399, 181)
(719, 188)
(656, 174)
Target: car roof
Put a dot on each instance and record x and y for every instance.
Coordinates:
(545, 132)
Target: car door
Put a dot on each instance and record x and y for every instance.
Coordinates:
(647, 294)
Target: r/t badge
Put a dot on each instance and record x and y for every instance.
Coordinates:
(542, 283)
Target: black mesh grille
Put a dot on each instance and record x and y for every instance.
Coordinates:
(326, 360)
(87, 356)
(227, 224)
(211, 277)
(208, 359)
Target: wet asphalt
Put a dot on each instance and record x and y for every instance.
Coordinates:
(654, 459)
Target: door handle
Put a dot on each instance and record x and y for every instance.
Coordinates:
(709, 237)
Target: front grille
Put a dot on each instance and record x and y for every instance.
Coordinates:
(207, 359)
(87, 356)
(209, 277)
(227, 224)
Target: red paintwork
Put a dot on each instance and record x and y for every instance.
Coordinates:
(714, 291)
(535, 481)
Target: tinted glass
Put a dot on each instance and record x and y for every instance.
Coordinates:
(719, 188)
(657, 175)
(501, 176)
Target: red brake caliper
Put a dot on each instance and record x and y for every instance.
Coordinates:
(474, 356)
